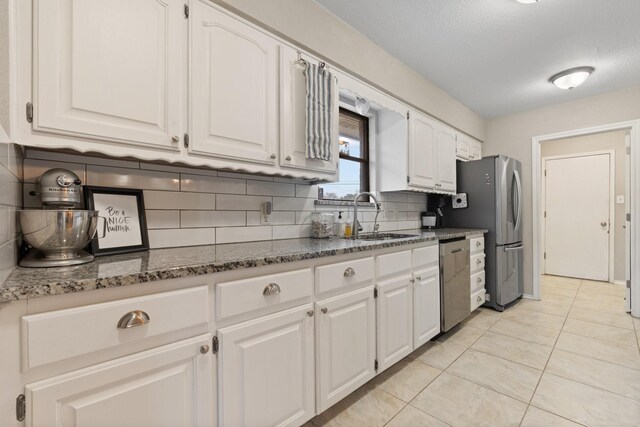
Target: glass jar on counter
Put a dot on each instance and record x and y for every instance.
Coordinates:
(321, 225)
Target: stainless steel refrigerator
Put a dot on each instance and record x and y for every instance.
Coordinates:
(494, 202)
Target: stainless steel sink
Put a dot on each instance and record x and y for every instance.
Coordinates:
(381, 236)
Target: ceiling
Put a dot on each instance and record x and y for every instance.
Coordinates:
(495, 56)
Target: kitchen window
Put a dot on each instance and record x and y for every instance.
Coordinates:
(354, 158)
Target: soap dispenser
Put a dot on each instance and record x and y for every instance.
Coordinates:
(338, 226)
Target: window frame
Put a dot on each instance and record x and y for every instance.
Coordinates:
(365, 154)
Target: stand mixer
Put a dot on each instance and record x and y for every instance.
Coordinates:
(59, 231)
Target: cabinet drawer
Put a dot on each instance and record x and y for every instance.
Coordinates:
(244, 296)
(340, 275)
(426, 257)
(476, 244)
(477, 299)
(477, 281)
(393, 264)
(58, 335)
(476, 262)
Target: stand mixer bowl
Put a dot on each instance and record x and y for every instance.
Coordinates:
(58, 235)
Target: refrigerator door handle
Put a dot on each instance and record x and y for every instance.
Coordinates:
(514, 248)
(516, 174)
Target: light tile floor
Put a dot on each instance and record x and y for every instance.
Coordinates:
(571, 359)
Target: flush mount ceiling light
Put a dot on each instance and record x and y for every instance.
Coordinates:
(573, 77)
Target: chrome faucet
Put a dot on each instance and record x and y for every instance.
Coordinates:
(357, 228)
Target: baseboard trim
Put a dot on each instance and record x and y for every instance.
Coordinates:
(528, 296)
(620, 282)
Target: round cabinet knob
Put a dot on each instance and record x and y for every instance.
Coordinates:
(478, 261)
(310, 313)
(478, 244)
(204, 349)
(604, 224)
(288, 158)
(479, 298)
(324, 310)
(273, 156)
(175, 139)
(418, 278)
(479, 279)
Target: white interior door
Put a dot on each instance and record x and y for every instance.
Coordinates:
(627, 223)
(577, 208)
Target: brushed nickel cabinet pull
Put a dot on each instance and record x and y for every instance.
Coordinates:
(133, 318)
(175, 139)
(324, 310)
(310, 313)
(479, 279)
(271, 289)
(273, 156)
(349, 272)
(204, 349)
(288, 158)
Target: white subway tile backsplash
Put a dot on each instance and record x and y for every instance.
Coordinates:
(264, 188)
(54, 156)
(293, 204)
(163, 219)
(307, 191)
(291, 231)
(228, 202)
(245, 176)
(212, 184)
(172, 238)
(33, 168)
(243, 234)
(177, 169)
(188, 206)
(191, 219)
(107, 176)
(172, 200)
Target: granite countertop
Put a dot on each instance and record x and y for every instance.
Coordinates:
(160, 264)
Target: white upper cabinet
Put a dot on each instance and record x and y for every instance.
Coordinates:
(293, 116)
(233, 90)
(446, 157)
(475, 150)
(424, 152)
(423, 164)
(109, 70)
(462, 147)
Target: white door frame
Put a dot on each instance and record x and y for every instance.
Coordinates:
(612, 187)
(634, 127)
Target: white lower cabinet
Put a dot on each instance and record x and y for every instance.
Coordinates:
(266, 370)
(167, 386)
(426, 305)
(394, 320)
(346, 345)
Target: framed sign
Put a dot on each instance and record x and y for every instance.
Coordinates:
(122, 211)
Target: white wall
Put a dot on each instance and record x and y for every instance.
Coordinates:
(4, 70)
(511, 135)
(306, 23)
(615, 141)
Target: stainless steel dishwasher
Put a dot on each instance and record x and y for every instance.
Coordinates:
(455, 282)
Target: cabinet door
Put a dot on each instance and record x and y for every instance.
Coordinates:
(346, 341)
(446, 149)
(233, 90)
(110, 70)
(394, 320)
(462, 147)
(422, 149)
(266, 370)
(293, 94)
(426, 305)
(475, 150)
(168, 386)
